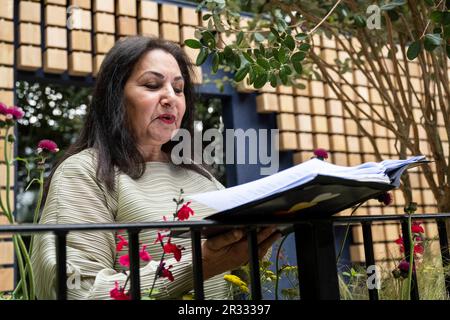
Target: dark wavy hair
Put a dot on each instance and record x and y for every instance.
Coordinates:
(105, 128)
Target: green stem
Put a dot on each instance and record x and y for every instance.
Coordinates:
(38, 205)
(7, 171)
(346, 234)
(4, 210)
(411, 255)
(21, 268)
(28, 267)
(276, 267)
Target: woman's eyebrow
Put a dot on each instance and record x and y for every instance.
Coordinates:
(159, 75)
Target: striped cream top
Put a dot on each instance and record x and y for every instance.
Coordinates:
(76, 196)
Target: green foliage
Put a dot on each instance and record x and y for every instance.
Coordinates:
(272, 48)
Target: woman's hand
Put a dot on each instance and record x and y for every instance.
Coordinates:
(230, 250)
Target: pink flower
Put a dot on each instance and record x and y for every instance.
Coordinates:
(119, 293)
(144, 254)
(16, 112)
(165, 272)
(184, 212)
(124, 260)
(172, 248)
(321, 153)
(417, 228)
(385, 198)
(418, 249)
(3, 108)
(121, 243)
(47, 145)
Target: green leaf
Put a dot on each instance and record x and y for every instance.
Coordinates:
(248, 57)
(228, 52)
(436, 16)
(218, 23)
(260, 80)
(263, 63)
(237, 60)
(282, 55)
(360, 22)
(209, 39)
(215, 62)
(273, 80)
(203, 54)
(240, 37)
(304, 47)
(446, 18)
(393, 5)
(301, 36)
(206, 16)
(283, 76)
(298, 56)
(297, 67)
(432, 41)
(289, 42)
(241, 73)
(414, 50)
(192, 43)
(274, 63)
(259, 37)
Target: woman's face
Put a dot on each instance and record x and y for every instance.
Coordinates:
(154, 98)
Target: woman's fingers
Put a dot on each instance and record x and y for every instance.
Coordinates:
(223, 240)
(267, 243)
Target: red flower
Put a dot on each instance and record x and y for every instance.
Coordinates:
(321, 153)
(121, 243)
(160, 238)
(119, 293)
(404, 266)
(184, 212)
(385, 198)
(172, 248)
(124, 260)
(144, 254)
(47, 145)
(417, 228)
(165, 272)
(418, 249)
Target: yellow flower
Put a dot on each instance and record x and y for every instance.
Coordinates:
(235, 280)
(188, 296)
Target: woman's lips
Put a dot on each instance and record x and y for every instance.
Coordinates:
(167, 118)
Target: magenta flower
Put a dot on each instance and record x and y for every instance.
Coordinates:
(403, 266)
(48, 146)
(124, 260)
(144, 254)
(10, 113)
(121, 243)
(385, 198)
(165, 272)
(3, 108)
(321, 154)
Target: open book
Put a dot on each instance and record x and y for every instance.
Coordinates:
(314, 188)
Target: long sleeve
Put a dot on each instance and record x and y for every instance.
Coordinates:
(75, 196)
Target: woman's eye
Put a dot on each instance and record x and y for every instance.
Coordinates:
(152, 86)
(178, 90)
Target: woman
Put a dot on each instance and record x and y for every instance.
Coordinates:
(120, 170)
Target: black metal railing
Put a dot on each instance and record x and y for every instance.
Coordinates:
(314, 241)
